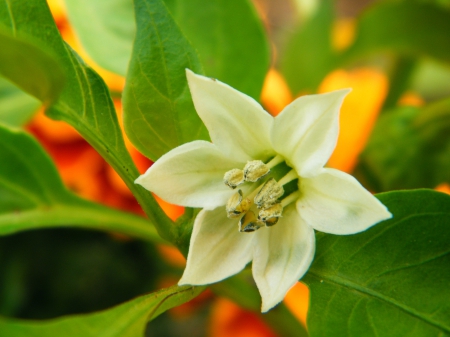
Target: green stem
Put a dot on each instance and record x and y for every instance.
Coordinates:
(126, 169)
(79, 214)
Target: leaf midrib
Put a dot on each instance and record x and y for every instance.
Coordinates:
(345, 283)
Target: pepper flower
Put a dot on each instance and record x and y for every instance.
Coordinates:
(263, 187)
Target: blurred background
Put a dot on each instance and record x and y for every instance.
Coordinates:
(394, 135)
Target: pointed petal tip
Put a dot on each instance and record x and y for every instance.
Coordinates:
(138, 180)
(265, 306)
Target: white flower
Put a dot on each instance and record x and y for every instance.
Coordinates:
(256, 221)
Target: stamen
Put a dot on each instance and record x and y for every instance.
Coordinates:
(249, 223)
(268, 194)
(233, 178)
(275, 161)
(237, 205)
(291, 175)
(290, 198)
(255, 170)
(271, 212)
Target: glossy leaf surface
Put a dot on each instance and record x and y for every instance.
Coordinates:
(85, 102)
(30, 67)
(158, 111)
(125, 320)
(391, 280)
(33, 196)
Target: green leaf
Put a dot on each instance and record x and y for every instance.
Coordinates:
(85, 102)
(408, 148)
(158, 111)
(125, 320)
(16, 107)
(30, 67)
(391, 280)
(309, 56)
(33, 196)
(408, 27)
(106, 30)
(229, 38)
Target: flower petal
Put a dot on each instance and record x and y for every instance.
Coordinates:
(237, 124)
(335, 202)
(191, 175)
(282, 255)
(306, 131)
(217, 249)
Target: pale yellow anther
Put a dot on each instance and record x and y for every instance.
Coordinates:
(249, 223)
(268, 194)
(233, 178)
(237, 205)
(274, 211)
(255, 170)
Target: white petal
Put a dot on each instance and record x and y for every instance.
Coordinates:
(306, 131)
(282, 255)
(335, 202)
(217, 249)
(191, 175)
(237, 124)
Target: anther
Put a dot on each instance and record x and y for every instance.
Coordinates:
(268, 194)
(237, 205)
(249, 223)
(274, 211)
(233, 178)
(255, 170)
(271, 222)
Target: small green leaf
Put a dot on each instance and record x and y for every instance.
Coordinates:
(85, 102)
(391, 280)
(33, 196)
(229, 38)
(30, 67)
(106, 30)
(409, 27)
(408, 148)
(309, 56)
(125, 320)
(16, 107)
(158, 111)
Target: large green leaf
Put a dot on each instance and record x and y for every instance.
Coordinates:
(308, 56)
(229, 38)
(30, 67)
(126, 320)
(106, 30)
(391, 280)
(16, 107)
(33, 196)
(158, 111)
(85, 102)
(408, 27)
(409, 148)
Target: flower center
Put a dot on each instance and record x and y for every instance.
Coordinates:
(272, 181)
